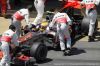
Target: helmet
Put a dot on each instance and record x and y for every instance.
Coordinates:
(12, 27)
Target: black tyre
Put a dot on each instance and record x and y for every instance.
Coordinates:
(85, 25)
(96, 26)
(38, 51)
(73, 33)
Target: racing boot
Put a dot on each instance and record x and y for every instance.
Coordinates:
(64, 53)
(91, 39)
(32, 26)
(67, 52)
(94, 35)
(38, 26)
(35, 28)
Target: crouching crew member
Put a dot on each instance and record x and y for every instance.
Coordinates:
(8, 37)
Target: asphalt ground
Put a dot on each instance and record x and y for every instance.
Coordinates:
(84, 53)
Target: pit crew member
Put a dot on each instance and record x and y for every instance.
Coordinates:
(19, 16)
(39, 5)
(91, 12)
(8, 37)
(63, 21)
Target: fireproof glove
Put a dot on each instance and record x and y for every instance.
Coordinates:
(47, 29)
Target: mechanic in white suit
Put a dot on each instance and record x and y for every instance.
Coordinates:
(63, 22)
(39, 5)
(8, 4)
(91, 12)
(19, 16)
(8, 37)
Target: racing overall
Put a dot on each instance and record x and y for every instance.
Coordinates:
(7, 37)
(18, 17)
(39, 5)
(8, 4)
(63, 21)
(91, 13)
(3, 6)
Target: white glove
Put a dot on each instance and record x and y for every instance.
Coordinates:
(29, 26)
(97, 2)
(47, 29)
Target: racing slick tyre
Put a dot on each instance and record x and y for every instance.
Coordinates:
(85, 25)
(96, 26)
(73, 33)
(39, 51)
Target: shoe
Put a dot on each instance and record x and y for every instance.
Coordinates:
(94, 36)
(91, 39)
(65, 53)
(38, 26)
(69, 52)
(33, 26)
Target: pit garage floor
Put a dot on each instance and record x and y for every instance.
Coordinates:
(4, 24)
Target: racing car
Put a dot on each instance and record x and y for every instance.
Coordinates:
(31, 49)
(80, 27)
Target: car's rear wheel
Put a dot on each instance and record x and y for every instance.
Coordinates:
(85, 25)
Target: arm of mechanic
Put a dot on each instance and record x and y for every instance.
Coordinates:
(53, 21)
(27, 19)
(68, 19)
(15, 40)
(26, 16)
(51, 24)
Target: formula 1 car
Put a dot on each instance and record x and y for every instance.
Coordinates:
(32, 48)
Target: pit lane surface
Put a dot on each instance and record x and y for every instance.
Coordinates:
(83, 53)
